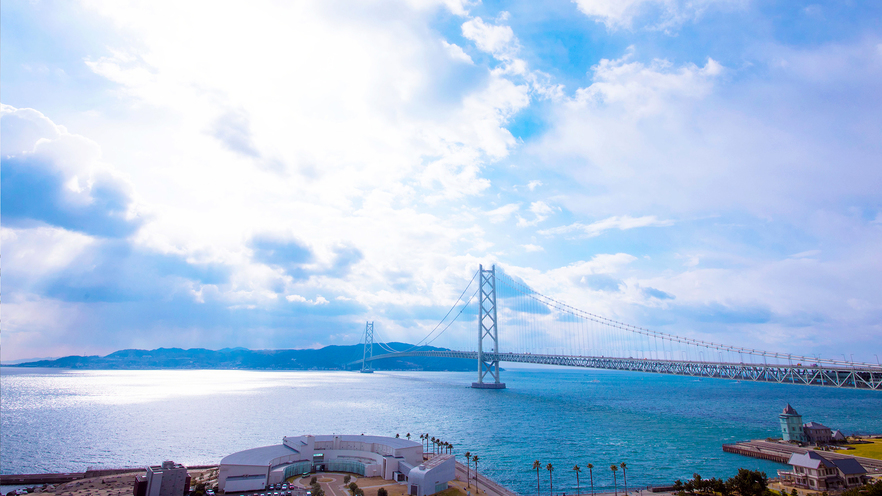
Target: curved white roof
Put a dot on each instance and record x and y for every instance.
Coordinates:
(265, 455)
(394, 442)
(258, 456)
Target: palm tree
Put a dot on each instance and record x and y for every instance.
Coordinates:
(615, 483)
(451, 448)
(624, 476)
(536, 467)
(550, 479)
(407, 436)
(591, 475)
(433, 444)
(468, 457)
(397, 435)
(422, 436)
(576, 469)
(475, 459)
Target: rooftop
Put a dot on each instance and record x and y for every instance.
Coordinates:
(789, 410)
(434, 462)
(810, 459)
(258, 456)
(815, 425)
(849, 466)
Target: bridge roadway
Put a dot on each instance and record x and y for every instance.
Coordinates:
(842, 377)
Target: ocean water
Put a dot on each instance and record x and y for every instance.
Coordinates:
(663, 427)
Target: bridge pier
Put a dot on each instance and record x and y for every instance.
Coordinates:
(487, 329)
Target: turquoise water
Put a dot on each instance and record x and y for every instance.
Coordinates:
(664, 427)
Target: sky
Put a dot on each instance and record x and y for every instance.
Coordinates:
(186, 174)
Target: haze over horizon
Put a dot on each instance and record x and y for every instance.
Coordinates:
(204, 175)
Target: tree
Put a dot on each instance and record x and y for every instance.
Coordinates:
(352, 487)
(624, 476)
(408, 436)
(576, 469)
(749, 482)
(313, 481)
(615, 483)
(870, 489)
(536, 467)
(397, 435)
(347, 479)
(591, 475)
(550, 479)
(475, 459)
(468, 457)
(451, 448)
(382, 492)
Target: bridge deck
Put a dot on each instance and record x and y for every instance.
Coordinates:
(842, 377)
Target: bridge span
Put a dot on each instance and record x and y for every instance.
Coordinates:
(853, 378)
(544, 331)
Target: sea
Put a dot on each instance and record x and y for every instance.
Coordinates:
(664, 427)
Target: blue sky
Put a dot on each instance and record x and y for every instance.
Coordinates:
(204, 175)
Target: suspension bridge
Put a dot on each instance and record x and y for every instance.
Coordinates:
(542, 330)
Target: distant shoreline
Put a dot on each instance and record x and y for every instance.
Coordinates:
(328, 358)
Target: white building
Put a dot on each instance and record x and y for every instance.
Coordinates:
(369, 456)
(168, 479)
(432, 476)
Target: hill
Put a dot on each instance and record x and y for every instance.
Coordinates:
(327, 358)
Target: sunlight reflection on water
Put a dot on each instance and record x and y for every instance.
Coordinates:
(664, 427)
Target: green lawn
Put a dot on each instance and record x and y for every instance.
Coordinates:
(867, 450)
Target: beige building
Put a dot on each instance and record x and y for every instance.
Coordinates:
(811, 470)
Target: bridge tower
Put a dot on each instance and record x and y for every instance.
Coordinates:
(368, 347)
(488, 331)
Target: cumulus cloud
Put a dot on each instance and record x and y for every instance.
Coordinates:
(54, 177)
(497, 40)
(319, 300)
(646, 89)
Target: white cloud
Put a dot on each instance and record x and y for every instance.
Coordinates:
(496, 40)
(540, 211)
(456, 52)
(665, 14)
(502, 213)
(532, 185)
(621, 223)
(319, 300)
(646, 89)
(531, 248)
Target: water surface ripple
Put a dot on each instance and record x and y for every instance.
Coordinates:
(664, 427)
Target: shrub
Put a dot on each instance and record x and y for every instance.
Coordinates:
(382, 492)
(313, 480)
(347, 479)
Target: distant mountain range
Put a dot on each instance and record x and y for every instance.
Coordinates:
(327, 358)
